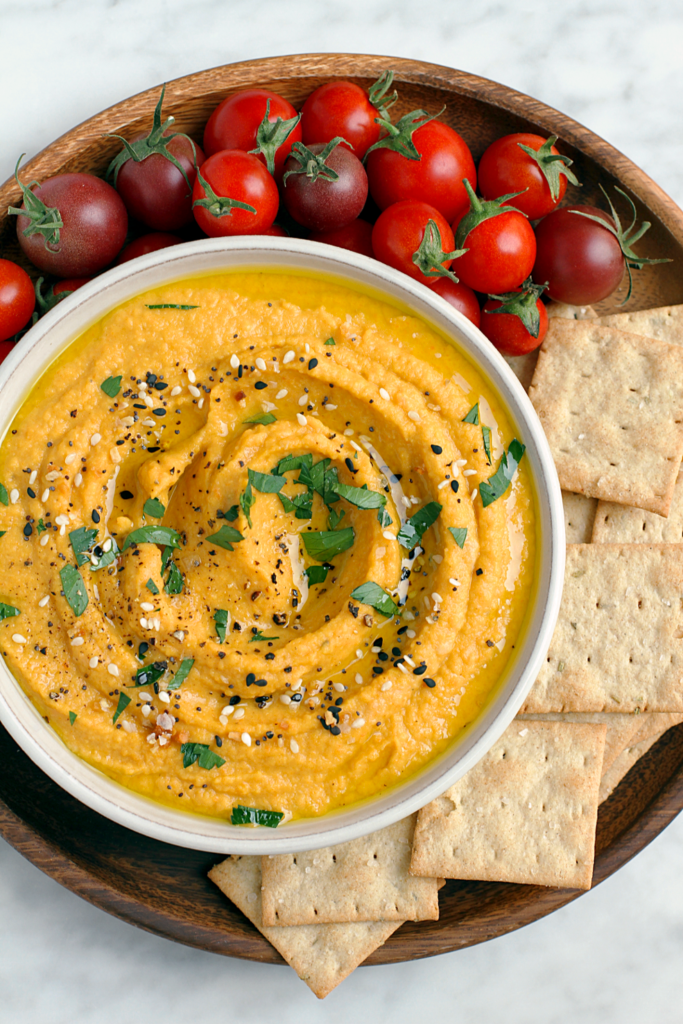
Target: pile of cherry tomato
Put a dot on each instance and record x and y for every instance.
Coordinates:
(340, 172)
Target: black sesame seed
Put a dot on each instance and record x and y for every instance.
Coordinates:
(437, 449)
(235, 700)
(429, 682)
(420, 670)
(402, 630)
(260, 385)
(479, 572)
(158, 412)
(152, 448)
(383, 656)
(31, 493)
(312, 363)
(219, 741)
(350, 466)
(377, 670)
(455, 486)
(489, 643)
(28, 530)
(95, 516)
(251, 679)
(127, 495)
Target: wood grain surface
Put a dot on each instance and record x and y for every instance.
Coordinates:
(162, 888)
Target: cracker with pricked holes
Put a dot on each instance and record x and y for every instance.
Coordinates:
(523, 366)
(525, 813)
(321, 954)
(622, 524)
(621, 729)
(618, 644)
(641, 743)
(366, 879)
(579, 513)
(611, 405)
(664, 323)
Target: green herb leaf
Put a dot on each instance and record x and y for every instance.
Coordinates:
(247, 502)
(174, 583)
(107, 557)
(316, 574)
(263, 417)
(154, 508)
(111, 386)
(254, 816)
(72, 717)
(325, 544)
(151, 585)
(231, 515)
(148, 674)
(360, 496)
(413, 529)
(2, 533)
(459, 534)
(472, 415)
(374, 595)
(4, 496)
(498, 484)
(266, 483)
(383, 518)
(313, 476)
(153, 535)
(170, 305)
(200, 752)
(166, 556)
(335, 517)
(330, 341)
(291, 462)
(124, 701)
(300, 505)
(41, 527)
(220, 618)
(226, 537)
(81, 541)
(486, 434)
(74, 589)
(7, 611)
(259, 636)
(181, 675)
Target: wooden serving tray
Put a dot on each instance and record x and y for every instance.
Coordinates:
(163, 888)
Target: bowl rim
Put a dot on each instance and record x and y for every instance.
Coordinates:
(55, 331)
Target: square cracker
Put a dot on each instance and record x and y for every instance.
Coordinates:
(641, 743)
(523, 366)
(664, 323)
(526, 813)
(621, 729)
(621, 524)
(611, 405)
(579, 513)
(618, 644)
(321, 954)
(367, 879)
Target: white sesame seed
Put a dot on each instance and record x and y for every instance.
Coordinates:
(146, 606)
(280, 742)
(112, 669)
(239, 714)
(383, 393)
(437, 597)
(301, 419)
(77, 641)
(146, 710)
(330, 407)
(78, 480)
(104, 705)
(223, 719)
(142, 386)
(288, 356)
(405, 500)
(246, 739)
(70, 458)
(148, 422)
(175, 391)
(461, 462)
(45, 495)
(307, 347)
(297, 685)
(444, 483)
(348, 432)
(95, 439)
(127, 421)
(282, 393)
(191, 376)
(43, 601)
(164, 697)
(409, 660)
(294, 746)
(149, 401)
(143, 622)
(388, 535)
(195, 392)
(234, 361)
(32, 478)
(358, 724)
(261, 363)
(414, 416)
(303, 400)
(355, 446)
(339, 687)
(403, 668)
(61, 520)
(474, 493)
(285, 698)
(359, 678)
(157, 623)
(19, 639)
(14, 495)
(62, 531)
(93, 661)
(200, 403)
(411, 633)
(227, 710)
(387, 685)
(128, 725)
(115, 455)
(469, 472)
(44, 540)
(106, 546)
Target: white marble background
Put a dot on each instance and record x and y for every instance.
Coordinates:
(615, 955)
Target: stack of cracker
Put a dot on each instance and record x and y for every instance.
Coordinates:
(609, 393)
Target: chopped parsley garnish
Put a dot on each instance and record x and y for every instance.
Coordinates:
(291, 462)
(383, 518)
(154, 508)
(361, 497)
(111, 386)
(486, 434)
(412, 530)
(300, 505)
(472, 415)
(72, 717)
(7, 611)
(41, 527)
(316, 573)
(263, 417)
(260, 636)
(2, 533)
(498, 484)
(200, 753)
(254, 816)
(74, 589)
(181, 675)
(124, 701)
(220, 617)
(81, 541)
(4, 496)
(174, 581)
(266, 483)
(325, 544)
(247, 502)
(459, 534)
(374, 595)
(226, 537)
(330, 341)
(231, 515)
(151, 585)
(334, 519)
(170, 305)
(149, 674)
(153, 535)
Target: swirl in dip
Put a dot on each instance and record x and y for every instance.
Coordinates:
(257, 569)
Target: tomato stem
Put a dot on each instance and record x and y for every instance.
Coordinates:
(429, 257)
(313, 165)
(522, 304)
(43, 220)
(219, 206)
(271, 135)
(552, 165)
(377, 93)
(399, 137)
(481, 210)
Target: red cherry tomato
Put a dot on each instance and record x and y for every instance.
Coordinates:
(505, 167)
(154, 191)
(234, 175)
(340, 108)
(235, 122)
(146, 243)
(508, 333)
(318, 202)
(581, 261)
(276, 231)
(71, 284)
(500, 253)
(94, 225)
(459, 296)
(17, 300)
(436, 178)
(399, 231)
(5, 349)
(356, 236)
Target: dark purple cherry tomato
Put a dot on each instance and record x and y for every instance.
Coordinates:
(155, 191)
(146, 243)
(325, 187)
(581, 261)
(356, 236)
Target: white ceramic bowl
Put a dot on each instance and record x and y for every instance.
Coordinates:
(36, 351)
